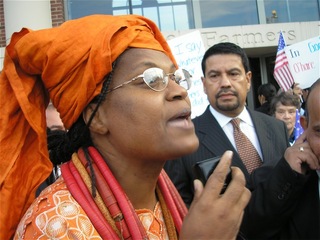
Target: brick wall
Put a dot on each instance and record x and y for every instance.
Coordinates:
(2, 29)
(57, 12)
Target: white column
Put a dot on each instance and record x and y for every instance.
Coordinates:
(197, 14)
(1, 58)
(33, 14)
(261, 12)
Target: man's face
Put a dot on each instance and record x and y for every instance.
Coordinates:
(226, 83)
(286, 114)
(313, 130)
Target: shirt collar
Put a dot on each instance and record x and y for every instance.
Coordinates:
(223, 120)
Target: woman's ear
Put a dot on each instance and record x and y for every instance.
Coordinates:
(98, 123)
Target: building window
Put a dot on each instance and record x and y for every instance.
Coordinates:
(221, 13)
(173, 15)
(169, 15)
(292, 11)
(81, 8)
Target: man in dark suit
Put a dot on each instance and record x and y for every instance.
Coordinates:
(286, 202)
(226, 81)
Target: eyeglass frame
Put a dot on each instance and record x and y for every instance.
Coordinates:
(142, 76)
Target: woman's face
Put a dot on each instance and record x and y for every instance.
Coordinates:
(287, 114)
(141, 122)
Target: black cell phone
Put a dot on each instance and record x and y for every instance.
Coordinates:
(203, 169)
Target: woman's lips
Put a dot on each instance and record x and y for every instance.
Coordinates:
(181, 120)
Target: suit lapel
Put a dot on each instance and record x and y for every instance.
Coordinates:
(218, 142)
(260, 127)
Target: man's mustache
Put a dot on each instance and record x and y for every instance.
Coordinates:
(226, 91)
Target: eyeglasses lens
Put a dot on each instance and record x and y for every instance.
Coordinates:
(183, 78)
(155, 78)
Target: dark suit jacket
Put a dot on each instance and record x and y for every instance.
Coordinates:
(284, 204)
(272, 136)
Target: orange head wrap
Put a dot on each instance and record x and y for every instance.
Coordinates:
(68, 65)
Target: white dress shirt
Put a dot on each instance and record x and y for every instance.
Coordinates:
(246, 126)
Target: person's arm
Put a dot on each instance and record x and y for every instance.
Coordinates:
(273, 201)
(215, 216)
(276, 191)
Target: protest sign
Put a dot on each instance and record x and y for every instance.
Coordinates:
(188, 51)
(303, 58)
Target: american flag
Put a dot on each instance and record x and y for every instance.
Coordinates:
(298, 129)
(281, 71)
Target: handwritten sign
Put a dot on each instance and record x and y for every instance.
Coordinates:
(303, 58)
(188, 51)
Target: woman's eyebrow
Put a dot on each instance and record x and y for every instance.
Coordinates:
(153, 64)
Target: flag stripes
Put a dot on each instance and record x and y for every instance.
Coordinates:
(282, 72)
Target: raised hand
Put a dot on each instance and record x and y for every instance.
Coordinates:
(215, 216)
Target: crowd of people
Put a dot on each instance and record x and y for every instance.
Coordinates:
(124, 104)
(283, 174)
(125, 143)
(227, 80)
(285, 202)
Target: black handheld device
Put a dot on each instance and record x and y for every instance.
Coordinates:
(203, 169)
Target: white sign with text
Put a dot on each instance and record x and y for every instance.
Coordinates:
(303, 58)
(188, 51)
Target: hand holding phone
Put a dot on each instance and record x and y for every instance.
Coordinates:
(203, 169)
(209, 205)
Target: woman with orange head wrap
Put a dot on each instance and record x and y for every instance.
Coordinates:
(115, 83)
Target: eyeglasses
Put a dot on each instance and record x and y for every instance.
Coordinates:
(158, 80)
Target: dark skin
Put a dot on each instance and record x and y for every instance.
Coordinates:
(309, 140)
(137, 130)
(125, 120)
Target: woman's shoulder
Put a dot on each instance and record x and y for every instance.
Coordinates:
(55, 214)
